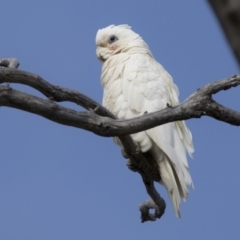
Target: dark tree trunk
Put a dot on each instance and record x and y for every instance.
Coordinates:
(228, 14)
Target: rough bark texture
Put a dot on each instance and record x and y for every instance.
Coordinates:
(228, 14)
(100, 121)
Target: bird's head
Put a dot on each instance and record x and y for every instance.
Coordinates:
(113, 40)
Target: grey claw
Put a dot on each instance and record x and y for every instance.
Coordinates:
(132, 166)
(125, 154)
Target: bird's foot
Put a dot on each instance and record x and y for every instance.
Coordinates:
(125, 154)
(130, 164)
(133, 167)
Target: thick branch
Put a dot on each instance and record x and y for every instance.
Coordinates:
(228, 14)
(100, 121)
(198, 104)
(55, 93)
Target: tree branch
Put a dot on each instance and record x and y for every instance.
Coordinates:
(100, 121)
(97, 119)
(27, 102)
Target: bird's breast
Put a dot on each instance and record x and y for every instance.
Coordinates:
(115, 98)
(112, 81)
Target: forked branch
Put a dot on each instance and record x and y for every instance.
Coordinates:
(100, 121)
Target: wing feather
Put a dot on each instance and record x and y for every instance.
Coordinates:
(151, 88)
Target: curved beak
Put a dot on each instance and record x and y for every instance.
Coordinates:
(98, 50)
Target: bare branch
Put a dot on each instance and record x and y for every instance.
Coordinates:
(100, 121)
(156, 202)
(198, 104)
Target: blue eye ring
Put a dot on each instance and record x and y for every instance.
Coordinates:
(112, 39)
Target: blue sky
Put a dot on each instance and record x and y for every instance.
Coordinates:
(59, 182)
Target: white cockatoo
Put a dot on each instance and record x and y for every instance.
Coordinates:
(135, 83)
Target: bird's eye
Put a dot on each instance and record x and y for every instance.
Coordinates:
(112, 39)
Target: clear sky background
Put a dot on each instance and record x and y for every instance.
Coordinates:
(63, 183)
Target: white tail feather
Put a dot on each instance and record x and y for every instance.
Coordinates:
(170, 181)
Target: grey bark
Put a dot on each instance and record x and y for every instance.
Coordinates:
(228, 14)
(100, 121)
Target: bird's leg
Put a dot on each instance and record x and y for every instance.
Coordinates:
(10, 63)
